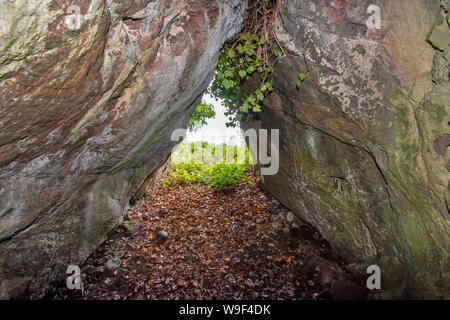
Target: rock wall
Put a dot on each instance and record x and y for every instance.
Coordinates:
(364, 142)
(89, 100)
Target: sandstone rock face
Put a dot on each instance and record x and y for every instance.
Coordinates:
(91, 91)
(364, 142)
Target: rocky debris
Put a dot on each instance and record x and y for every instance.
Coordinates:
(319, 263)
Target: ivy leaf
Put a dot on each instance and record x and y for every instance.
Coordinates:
(228, 83)
(302, 76)
(276, 53)
(245, 37)
(231, 53)
(241, 49)
(262, 41)
(251, 69)
(242, 73)
(245, 106)
(298, 84)
(257, 108)
(259, 95)
(229, 73)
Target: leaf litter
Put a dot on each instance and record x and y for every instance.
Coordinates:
(191, 242)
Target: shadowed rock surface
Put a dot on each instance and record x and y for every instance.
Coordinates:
(364, 141)
(87, 115)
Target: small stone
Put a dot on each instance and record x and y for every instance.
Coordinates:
(277, 225)
(326, 277)
(282, 215)
(162, 235)
(311, 283)
(113, 263)
(259, 221)
(286, 230)
(290, 217)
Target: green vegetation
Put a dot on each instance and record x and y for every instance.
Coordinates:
(301, 78)
(198, 119)
(217, 176)
(216, 166)
(249, 57)
(210, 154)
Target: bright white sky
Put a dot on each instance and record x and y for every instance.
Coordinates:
(215, 131)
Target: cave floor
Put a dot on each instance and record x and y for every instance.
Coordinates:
(236, 244)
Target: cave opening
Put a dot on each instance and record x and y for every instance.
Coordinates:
(204, 228)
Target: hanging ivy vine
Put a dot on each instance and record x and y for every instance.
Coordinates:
(251, 55)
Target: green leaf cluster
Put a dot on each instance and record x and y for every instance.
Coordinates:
(301, 78)
(210, 153)
(200, 115)
(217, 176)
(239, 62)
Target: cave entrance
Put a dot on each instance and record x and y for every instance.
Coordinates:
(213, 138)
(205, 230)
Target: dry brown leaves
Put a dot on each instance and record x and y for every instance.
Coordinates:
(221, 246)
